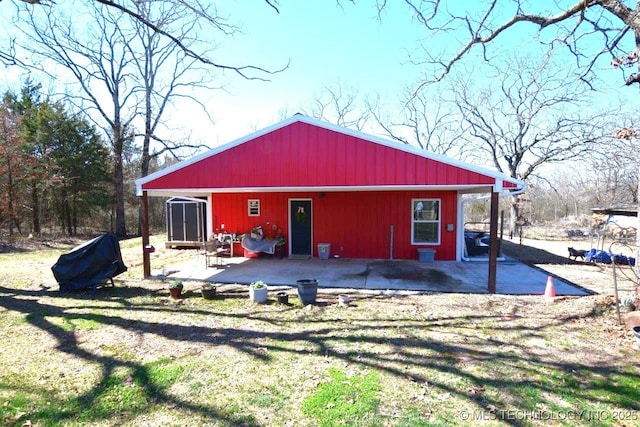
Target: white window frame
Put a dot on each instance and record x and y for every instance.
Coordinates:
(253, 207)
(436, 221)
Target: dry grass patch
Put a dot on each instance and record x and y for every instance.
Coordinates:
(131, 355)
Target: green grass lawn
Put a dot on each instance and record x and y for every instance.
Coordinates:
(130, 355)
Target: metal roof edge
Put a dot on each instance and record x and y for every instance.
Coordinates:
(324, 189)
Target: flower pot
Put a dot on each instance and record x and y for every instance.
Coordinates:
(636, 333)
(175, 292)
(258, 295)
(307, 291)
(208, 292)
(249, 254)
(343, 299)
(283, 298)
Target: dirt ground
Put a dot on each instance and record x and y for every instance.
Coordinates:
(552, 256)
(491, 339)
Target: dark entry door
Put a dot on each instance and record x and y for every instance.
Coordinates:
(300, 214)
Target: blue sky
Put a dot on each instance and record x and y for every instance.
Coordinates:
(326, 44)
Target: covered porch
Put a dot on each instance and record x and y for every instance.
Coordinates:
(513, 277)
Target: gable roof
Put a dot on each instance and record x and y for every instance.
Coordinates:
(305, 154)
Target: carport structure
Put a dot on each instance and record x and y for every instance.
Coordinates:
(368, 197)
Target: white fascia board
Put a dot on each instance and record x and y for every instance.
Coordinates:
(202, 192)
(186, 199)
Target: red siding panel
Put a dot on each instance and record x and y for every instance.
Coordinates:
(302, 155)
(357, 224)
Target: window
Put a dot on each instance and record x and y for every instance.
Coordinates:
(425, 224)
(254, 207)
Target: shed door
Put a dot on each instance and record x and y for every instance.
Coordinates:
(176, 223)
(192, 222)
(300, 220)
(185, 221)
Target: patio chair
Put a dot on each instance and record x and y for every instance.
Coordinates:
(212, 251)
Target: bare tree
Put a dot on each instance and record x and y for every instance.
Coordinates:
(610, 25)
(426, 120)
(613, 176)
(101, 67)
(529, 118)
(140, 69)
(165, 73)
(340, 105)
(196, 11)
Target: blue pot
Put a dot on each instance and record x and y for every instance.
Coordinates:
(307, 290)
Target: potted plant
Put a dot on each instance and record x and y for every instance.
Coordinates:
(629, 303)
(175, 288)
(208, 291)
(258, 291)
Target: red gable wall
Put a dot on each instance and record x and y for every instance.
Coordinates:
(301, 155)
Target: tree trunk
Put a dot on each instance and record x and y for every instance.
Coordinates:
(10, 199)
(144, 171)
(514, 213)
(66, 209)
(118, 178)
(35, 206)
(74, 214)
(637, 266)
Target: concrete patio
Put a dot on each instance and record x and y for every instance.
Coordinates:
(513, 278)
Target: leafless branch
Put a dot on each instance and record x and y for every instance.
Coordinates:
(339, 105)
(198, 9)
(577, 26)
(242, 70)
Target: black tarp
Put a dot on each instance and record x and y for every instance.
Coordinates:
(90, 264)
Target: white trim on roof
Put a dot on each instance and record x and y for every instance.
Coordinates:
(471, 188)
(346, 131)
(182, 199)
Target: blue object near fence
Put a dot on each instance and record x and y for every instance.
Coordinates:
(604, 257)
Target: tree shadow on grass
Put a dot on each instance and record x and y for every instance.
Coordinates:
(401, 346)
(531, 255)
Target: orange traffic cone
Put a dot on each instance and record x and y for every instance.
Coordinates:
(550, 291)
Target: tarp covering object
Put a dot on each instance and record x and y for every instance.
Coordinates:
(264, 245)
(90, 264)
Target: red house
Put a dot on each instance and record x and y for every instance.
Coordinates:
(367, 196)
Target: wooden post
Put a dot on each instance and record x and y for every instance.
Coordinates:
(146, 259)
(493, 243)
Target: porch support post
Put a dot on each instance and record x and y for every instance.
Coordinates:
(493, 243)
(146, 259)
